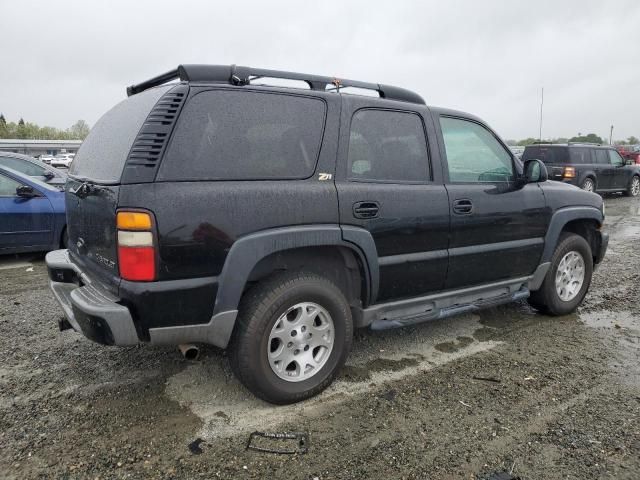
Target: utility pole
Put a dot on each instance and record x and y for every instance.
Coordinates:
(611, 136)
(541, 104)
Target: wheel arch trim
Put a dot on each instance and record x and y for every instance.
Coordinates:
(560, 219)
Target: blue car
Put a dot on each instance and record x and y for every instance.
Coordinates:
(32, 214)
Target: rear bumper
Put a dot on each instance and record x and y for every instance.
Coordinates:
(90, 309)
(105, 318)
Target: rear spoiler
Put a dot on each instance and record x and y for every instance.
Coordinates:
(237, 75)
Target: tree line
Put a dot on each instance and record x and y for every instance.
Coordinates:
(31, 131)
(589, 138)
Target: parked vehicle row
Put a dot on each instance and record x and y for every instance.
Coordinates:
(63, 160)
(595, 168)
(273, 221)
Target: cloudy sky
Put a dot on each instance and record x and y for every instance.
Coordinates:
(67, 60)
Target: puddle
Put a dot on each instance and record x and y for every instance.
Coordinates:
(506, 315)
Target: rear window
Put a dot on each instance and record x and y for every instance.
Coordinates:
(227, 135)
(546, 154)
(103, 153)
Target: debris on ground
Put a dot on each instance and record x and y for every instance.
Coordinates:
(288, 443)
(194, 447)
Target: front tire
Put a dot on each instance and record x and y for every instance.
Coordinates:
(634, 187)
(293, 335)
(589, 185)
(568, 278)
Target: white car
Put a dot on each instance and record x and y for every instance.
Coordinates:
(46, 159)
(62, 160)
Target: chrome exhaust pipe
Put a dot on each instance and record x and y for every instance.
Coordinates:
(189, 351)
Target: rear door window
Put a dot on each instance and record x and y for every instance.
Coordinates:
(245, 135)
(388, 146)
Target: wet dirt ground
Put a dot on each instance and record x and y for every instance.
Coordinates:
(506, 390)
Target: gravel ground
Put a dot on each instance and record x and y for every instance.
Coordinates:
(505, 390)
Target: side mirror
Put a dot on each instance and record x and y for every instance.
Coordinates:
(25, 191)
(48, 175)
(535, 171)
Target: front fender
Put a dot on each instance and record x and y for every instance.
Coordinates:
(560, 219)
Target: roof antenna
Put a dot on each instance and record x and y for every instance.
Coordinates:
(337, 82)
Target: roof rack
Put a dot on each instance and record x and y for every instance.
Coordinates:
(593, 144)
(237, 75)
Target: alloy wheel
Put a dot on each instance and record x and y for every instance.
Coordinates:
(570, 276)
(301, 342)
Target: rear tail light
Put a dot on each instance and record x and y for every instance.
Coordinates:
(569, 172)
(136, 246)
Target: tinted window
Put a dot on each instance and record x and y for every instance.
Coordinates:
(387, 146)
(580, 155)
(103, 153)
(615, 158)
(601, 157)
(546, 154)
(8, 186)
(473, 153)
(23, 166)
(225, 135)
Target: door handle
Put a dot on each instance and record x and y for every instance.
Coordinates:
(366, 209)
(463, 206)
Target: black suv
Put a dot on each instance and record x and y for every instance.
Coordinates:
(272, 221)
(594, 168)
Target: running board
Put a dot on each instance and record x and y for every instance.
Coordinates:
(445, 304)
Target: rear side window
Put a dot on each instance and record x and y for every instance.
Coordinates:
(231, 135)
(387, 146)
(580, 155)
(104, 152)
(547, 154)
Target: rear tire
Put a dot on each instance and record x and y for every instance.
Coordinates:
(273, 351)
(634, 187)
(568, 278)
(588, 185)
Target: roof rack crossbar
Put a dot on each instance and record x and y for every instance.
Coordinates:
(237, 75)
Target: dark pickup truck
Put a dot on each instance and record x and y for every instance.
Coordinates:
(272, 221)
